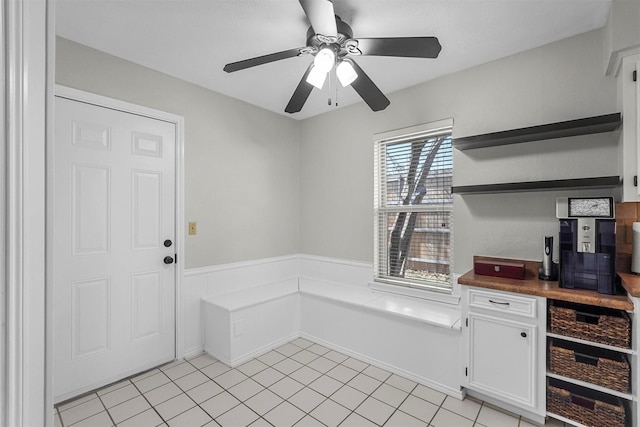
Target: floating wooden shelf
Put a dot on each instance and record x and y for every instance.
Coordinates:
(557, 184)
(589, 125)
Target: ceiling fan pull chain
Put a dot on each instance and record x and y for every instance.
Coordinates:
(330, 86)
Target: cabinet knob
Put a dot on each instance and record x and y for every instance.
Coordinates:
(523, 334)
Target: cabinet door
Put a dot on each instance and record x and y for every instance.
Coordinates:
(502, 359)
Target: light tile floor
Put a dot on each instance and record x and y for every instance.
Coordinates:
(300, 384)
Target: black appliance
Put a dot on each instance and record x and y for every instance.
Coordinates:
(587, 246)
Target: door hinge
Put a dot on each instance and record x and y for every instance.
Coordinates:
(466, 372)
(635, 180)
(635, 75)
(466, 322)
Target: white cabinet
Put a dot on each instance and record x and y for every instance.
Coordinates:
(629, 98)
(502, 357)
(504, 349)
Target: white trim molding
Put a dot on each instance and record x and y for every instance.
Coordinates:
(26, 94)
(615, 60)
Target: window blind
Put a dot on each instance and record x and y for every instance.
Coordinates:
(413, 209)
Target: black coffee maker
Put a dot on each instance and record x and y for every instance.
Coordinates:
(587, 243)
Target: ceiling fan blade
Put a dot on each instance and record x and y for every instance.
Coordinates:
(411, 47)
(264, 59)
(301, 94)
(322, 16)
(368, 90)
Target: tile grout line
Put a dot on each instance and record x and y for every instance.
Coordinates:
(107, 410)
(357, 366)
(88, 416)
(147, 400)
(227, 390)
(290, 357)
(351, 411)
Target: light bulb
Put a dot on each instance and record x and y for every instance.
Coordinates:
(316, 77)
(325, 60)
(346, 73)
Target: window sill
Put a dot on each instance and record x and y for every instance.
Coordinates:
(431, 311)
(406, 291)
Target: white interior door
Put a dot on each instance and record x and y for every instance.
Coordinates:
(114, 226)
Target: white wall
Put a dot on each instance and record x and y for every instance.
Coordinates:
(622, 30)
(261, 185)
(561, 81)
(241, 162)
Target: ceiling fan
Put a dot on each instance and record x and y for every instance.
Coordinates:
(331, 42)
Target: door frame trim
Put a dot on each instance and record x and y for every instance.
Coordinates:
(26, 77)
(178, 122)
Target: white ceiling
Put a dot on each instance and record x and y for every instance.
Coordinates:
(194, 39)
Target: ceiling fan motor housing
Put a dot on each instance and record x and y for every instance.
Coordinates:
(317, 41)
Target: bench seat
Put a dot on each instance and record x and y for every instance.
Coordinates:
(241, 325)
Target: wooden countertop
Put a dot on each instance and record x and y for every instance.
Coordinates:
(531, 285)
(631, 283)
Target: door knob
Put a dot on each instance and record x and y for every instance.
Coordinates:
(168, 260)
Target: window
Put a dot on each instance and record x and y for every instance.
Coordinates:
(414, 207)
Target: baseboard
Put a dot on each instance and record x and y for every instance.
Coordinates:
(458, 393)
(192, 352)
(260, 351)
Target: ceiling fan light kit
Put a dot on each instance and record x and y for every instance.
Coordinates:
(346, 73)
(316, 77)
(331, 42)
(325, 59)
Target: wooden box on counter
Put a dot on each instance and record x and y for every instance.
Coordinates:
(509, 270)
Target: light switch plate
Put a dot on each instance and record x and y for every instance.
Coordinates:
(192, 228)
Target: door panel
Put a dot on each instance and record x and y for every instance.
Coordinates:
(91, 323)
(91, 204)
(147, 305)
(146, 202)
(114, 193)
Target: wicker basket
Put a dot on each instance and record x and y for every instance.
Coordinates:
(609, 327)
(590, 412)
(611, 371)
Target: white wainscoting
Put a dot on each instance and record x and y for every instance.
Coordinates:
(225, 279)
(414, 346)
(423, 353)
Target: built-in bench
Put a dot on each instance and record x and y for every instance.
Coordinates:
(416, 338)
(241, 325)
(244, 324)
